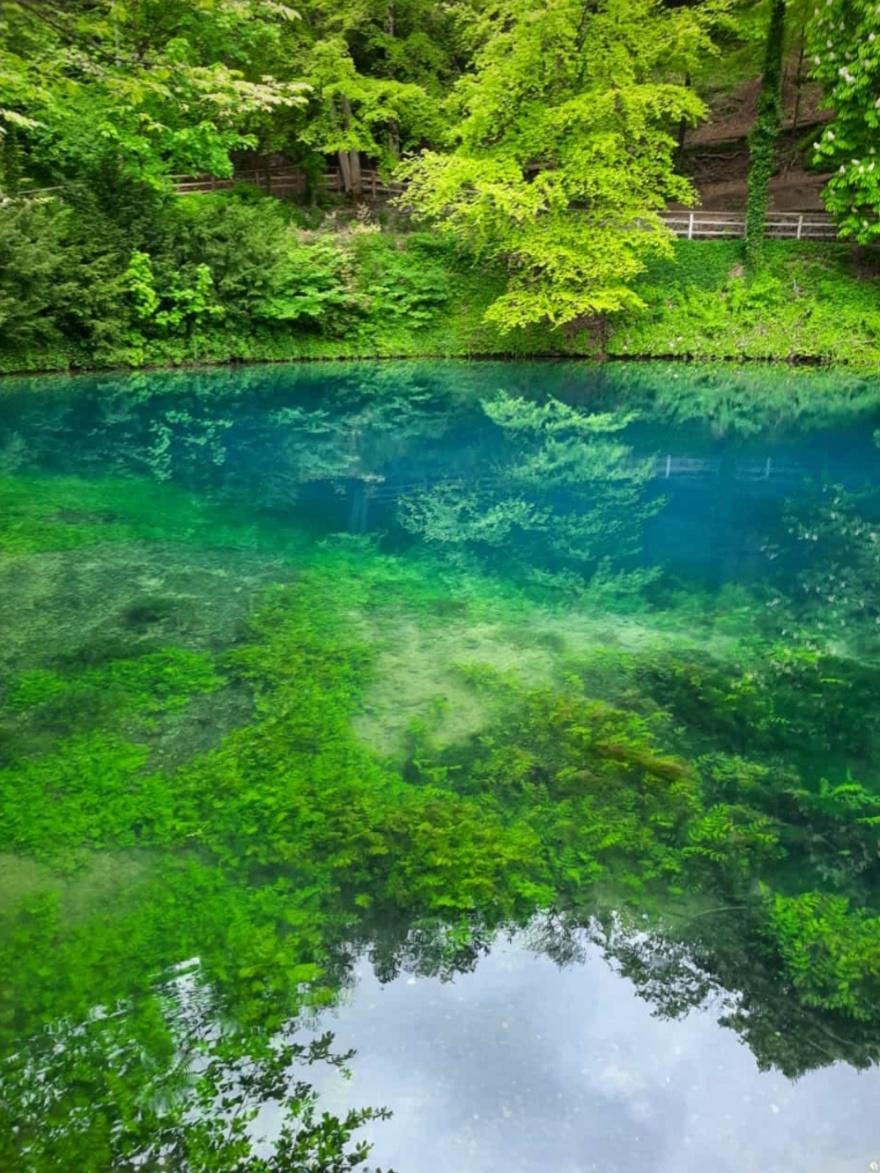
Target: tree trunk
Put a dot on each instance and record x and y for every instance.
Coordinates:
(762, 140)
(683, 125)
(345, 170)
(350, 161)
(354, 163)
(799, 76)
(394, 139)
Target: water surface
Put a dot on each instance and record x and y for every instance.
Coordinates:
(521, 1065)
(501, 735)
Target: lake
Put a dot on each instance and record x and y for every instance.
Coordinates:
(476, 761)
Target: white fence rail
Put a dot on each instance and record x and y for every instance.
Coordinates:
(690, 225)
(703, 225)
(688, 469)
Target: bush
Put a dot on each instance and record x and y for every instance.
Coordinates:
(37, 272)
(405, 279)
(120, 274)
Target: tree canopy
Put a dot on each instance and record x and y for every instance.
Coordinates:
(141, 89)
(542, 138)
(562, 149)
(846, 60)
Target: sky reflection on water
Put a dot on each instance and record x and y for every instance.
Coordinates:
(522, 1066)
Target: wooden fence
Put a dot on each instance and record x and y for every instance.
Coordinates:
(705, 225)
(286, 182)
(690, 225)
(289, 182)
(282, 183)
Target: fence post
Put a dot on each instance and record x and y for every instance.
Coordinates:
(800, 226)
(690, 225)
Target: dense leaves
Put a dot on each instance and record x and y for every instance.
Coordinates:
(135, 91)
(553, 168)
(846, 59)
(541, 141)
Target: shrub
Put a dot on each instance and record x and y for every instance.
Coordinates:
(37, 271)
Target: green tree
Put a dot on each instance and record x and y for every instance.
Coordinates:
(139, 90)
(36, 271)
(845, 48)
(561, 150)
(352, 114)
(375, 78)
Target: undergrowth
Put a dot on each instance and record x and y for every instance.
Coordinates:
(239, 280)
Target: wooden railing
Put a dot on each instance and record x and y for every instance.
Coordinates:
(372, 184)
(698, 224)
(287, 182)
(690, 225)
(703, 225)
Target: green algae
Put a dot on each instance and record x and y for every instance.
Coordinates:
(227, 739)
(154, 681)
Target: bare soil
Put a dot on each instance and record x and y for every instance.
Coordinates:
(716, 153)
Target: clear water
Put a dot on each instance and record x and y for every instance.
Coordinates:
(516, 725)
(522, 1065)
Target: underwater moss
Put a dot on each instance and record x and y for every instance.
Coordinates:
(280, 745)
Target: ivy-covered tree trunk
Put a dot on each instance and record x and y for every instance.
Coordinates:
(762, 140)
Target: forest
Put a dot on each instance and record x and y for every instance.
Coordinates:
(533, 147)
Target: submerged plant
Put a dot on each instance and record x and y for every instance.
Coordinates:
(193, 763)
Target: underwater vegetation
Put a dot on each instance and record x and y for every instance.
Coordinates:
(417, 680)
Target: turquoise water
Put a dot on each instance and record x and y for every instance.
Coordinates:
(494, 744)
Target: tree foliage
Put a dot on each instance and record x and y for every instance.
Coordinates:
(562, 150)
(845, 47)
(542, 139)
(137, 90)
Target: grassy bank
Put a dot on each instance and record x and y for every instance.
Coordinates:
(220, 279)
(812, 301)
